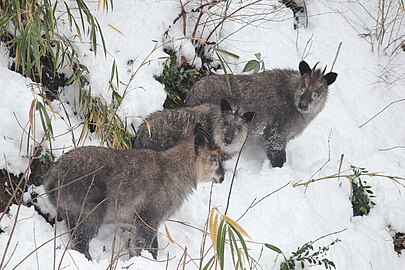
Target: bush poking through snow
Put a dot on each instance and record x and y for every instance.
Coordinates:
(399, 242)
(305, 255)
(40, 50)
(225, 231)
(177, 79)
(361, 193)
(255, 65)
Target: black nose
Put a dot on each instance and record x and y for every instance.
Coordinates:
(303, 106)
(221, 179)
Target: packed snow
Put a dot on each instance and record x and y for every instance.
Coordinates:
(369, 79)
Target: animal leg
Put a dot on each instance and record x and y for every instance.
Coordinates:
(143, 236)
(275, 144)
(81, 235)
(277, 157)
(84, 226)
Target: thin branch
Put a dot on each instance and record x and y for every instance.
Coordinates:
(350, 177)
(329, 234)
(234, 174)
(336, 56)
(392, 148)
(377, 114)
(253, 204)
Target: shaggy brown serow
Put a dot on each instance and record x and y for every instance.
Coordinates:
(285, 102)
(227, 126)
(91, 186)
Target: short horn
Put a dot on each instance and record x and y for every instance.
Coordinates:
(313, 69)
(324, 70)
(206, 135)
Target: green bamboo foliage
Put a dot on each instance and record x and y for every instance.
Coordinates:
(225, 232)
(30, 30)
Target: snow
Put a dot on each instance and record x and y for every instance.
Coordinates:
(369, 79)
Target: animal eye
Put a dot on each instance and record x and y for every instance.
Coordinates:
(214, 159)
(226, 123)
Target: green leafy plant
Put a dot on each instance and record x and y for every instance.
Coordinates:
(306, 255)
(226, 232)
(30, 30)
(362, 193)
(177, 79)
(255, 65)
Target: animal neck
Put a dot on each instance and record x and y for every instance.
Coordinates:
(288, 82)
(180, 163)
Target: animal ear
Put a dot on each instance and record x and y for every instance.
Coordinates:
(199, 138)
(330, 77)
(304, 68)
(248, 116)
(225, 106)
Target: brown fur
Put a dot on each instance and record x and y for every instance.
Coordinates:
(91, 186)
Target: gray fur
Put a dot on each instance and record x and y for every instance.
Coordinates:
(285, 102)
(92, 185)
(226, 125)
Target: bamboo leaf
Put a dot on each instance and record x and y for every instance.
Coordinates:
(221, 243)
(232, 245)
(210, 263)
(227, 79)
(102, 38)
(168, 235)
(213, 218)
(114, 28)
(242, 241)
(274, 248)
(31, 116)
(225, 52)
(236, 226)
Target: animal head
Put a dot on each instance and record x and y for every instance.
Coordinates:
(231, 129)
(209, 162)
(313, 89)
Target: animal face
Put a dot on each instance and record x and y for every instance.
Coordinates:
(209, 166)
(232, 129)
(313, 91)
(209, 161)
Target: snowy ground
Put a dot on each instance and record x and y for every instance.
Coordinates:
(368, 81)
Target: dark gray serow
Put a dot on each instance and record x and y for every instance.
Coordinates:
(284, 100)
(92, 185)
(226, 125)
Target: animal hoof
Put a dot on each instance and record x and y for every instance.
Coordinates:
(278, 159)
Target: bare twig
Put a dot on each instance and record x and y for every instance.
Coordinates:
(329, 234)
(336, 56)
(350, 177)
(233, 175)
(205, 232)
(392, 148)
(377, 114)
(254, 203)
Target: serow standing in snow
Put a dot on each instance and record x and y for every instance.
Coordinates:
(227, 125)
(285, 101)
(91, 186)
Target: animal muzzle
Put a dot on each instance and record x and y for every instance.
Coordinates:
(219, 175)
(228, 136)
(227, 141)
(303, 106)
